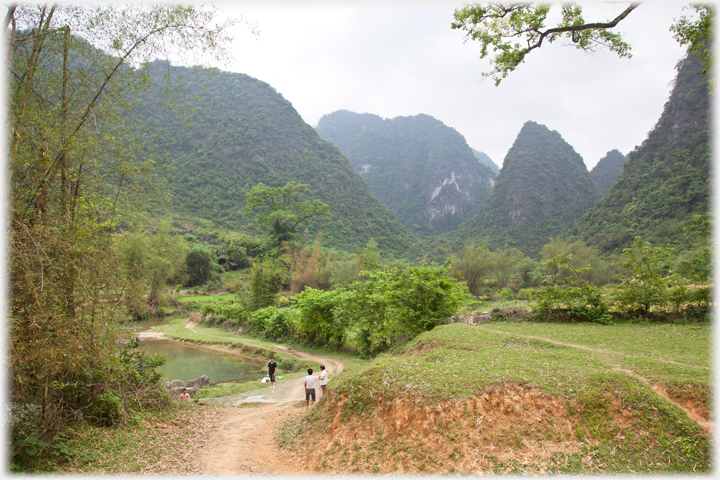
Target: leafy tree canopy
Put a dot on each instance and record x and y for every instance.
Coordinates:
(512, 31)
(697, 33)
(508, 32)
(283, 210)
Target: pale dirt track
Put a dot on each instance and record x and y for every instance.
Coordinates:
(242, 441)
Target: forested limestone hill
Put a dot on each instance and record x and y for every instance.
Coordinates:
(607, 170)
(543, 188)
(421, 169)
(242, 132)
(666, 180)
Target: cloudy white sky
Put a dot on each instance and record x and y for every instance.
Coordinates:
(401, 58)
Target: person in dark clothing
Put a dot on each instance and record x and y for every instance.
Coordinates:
(272, 366)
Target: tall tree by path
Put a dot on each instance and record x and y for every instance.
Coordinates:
(72, 72)
(282, 208)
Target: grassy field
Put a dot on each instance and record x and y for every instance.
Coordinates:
(604, 375)
(455, 361)
(205, 298)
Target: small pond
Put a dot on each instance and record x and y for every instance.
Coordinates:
(186, 361)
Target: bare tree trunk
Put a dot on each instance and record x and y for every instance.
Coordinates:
(10, 17)
(37, 45)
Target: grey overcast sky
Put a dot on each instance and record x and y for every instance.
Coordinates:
(401, 58)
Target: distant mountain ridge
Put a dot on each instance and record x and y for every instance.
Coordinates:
(542, 189)
(421, 169)
(485, 159)
(243, 132)
(607, 169)
(666, 180)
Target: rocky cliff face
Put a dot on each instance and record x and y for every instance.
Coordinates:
(419, 168)
(542, 189)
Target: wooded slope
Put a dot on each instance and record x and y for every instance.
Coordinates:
(235, 131)
(666, 180)
(542, 189)
(607, 170)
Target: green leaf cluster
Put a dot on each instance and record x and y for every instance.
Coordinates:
(283, 211)
(570, 296)
(653, 284)
(390, 307)
(508, 32)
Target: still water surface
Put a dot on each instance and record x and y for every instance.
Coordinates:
(186, 361)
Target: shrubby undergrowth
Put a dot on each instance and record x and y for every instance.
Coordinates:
(650, 288)
(390, 306)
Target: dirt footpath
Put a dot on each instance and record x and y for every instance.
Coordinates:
(242, 441)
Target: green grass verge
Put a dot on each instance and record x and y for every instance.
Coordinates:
(152, 442)
(226, 389)
(205, 298)
(676, 356)
(457, 361)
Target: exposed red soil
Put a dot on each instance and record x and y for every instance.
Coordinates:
(500, 424)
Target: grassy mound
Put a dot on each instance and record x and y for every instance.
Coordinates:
(521, 398)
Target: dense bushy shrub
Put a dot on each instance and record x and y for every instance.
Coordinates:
(199, 262)
(105, 392)
(391, 306)
(648, 289)
(318, 322)
(571, 297)
(230, 311)
(272, 322)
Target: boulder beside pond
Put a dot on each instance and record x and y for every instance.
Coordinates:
(176, 386)
(202, 381)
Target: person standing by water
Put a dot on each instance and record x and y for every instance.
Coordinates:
(310, 382)
(322, 380)
(272, 366)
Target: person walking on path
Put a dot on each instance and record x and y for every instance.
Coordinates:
(310, 382)
(272, 366)
(322, 380)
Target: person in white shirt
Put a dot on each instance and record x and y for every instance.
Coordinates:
(322, 380)
(310, 382)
